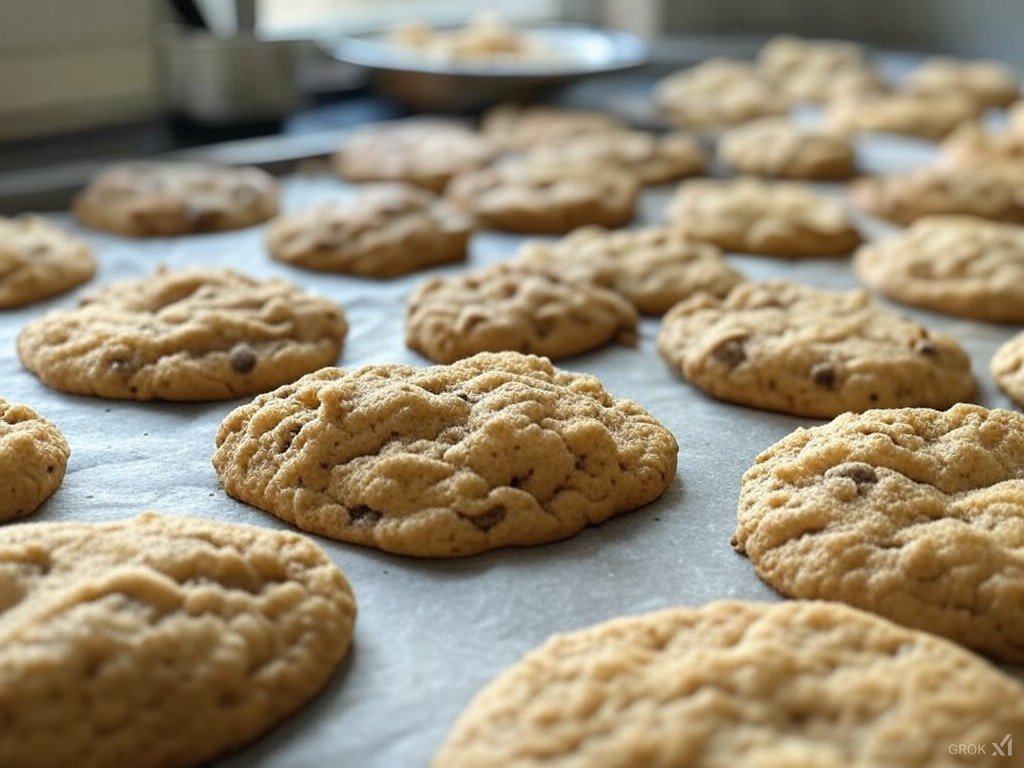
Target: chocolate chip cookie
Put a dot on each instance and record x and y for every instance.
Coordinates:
(33, 459)
(388, 230)
(931, 117)
(513, 127)
(551, 199)
(39, 260)
(495, 450)
(817, 71)
(781, 149)
(961, 265)
(808, 684)
(912, 513)
(159, 642)
(426, 152)
(805, 351)
(655, 267)
(155, 199)
(649, 158)
(515, 306)
(991, 193)
(717, 94)
(988, 83)
(972, 146)
(192, 334)
(1008, 368)
(783, 219)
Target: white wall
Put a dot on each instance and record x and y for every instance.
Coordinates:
(68, 64)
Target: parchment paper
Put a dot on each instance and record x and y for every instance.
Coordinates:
(431, 633)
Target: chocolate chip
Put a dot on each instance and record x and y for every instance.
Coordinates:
(363, 515)
(824, 375)
(243, 360)
(731, 353)
(858, 471)
(488, 519)
(925, 347)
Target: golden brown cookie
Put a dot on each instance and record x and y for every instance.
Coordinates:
(515, 306)
(654, 267)
(991, 193)
(988, 83)
(911, 513)
(651, 159)
(790, 348)
(1016, 117)
(817, 71)
(388, 230)
(191, 334)
(961, 265)
(159, 642)
(39, 260)
(781, 149)
(33, 459)
(425, 152)
(492, 451)
(513, 127)
(551, 199)
(1008, 368)
(931, 117)
(784, 219)
(717, 94)
(973, 146)
(740, 684)
(154, 199)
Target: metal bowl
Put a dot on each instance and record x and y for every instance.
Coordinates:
(431, 83)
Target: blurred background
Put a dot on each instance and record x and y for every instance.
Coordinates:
(68, 64)
(89, 82)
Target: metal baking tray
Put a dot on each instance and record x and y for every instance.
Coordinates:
(430, 633)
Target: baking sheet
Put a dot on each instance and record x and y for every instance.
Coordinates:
(431, 633)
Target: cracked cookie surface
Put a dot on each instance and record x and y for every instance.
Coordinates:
(39, 260)
(153, 199)
(188, 335)
(513, 306)
(990, 193)
(781, 149)
(495, 450)
(424, 152)
(654, 267)
(550, 199)
(33, 459)
(388, 230)
(159, 641)
(806, 351)
(795, 684)
(915, 514)
(956, 264)
(780, 218)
